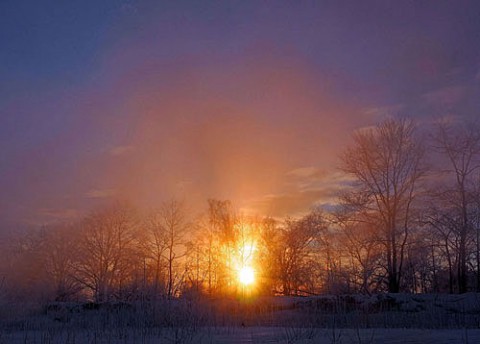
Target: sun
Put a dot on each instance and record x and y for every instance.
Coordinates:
(246, 275)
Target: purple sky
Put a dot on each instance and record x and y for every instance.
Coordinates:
(248, 101)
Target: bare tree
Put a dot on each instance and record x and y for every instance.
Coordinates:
(203, 261)
(154, 244)
(300, 240)
(269, 244)
(363, 248)
(42, 262)
(443, 221)
(460, 145)
(386, 163)
(59, 252)
(108, 253)
(222, 239)
(476, 228)
(196, 271)
(175, 226)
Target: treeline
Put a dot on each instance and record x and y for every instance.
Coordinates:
(118, 253)
(407, 220)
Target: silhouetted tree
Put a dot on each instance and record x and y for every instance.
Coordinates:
(460, 144)
(363, 248)
(60, 249)
(269, 245)
(386, 163)
(109, 255)
(175, 225)
(222, 237)
(154, 245)
(300, 241)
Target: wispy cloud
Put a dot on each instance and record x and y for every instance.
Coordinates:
(305, 172)
(379, 112)
(100, 193)
(120, 150)
(294, 203)
(445, 96)
(58, 214)
(305, 188)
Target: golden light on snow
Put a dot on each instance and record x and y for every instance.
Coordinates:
(246, 275)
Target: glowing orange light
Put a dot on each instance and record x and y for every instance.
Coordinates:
(246, 275)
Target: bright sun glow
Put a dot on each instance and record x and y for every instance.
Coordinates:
(246, 275)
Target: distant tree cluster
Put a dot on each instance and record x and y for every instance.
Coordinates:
(408, 220)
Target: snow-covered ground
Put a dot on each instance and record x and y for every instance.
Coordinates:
(382, 318)
(247, 335)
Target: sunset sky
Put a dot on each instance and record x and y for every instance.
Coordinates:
(250, 101)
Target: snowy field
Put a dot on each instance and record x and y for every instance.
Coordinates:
(383, 318)
(248, 335)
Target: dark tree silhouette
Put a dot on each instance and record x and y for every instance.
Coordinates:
(386, 163)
